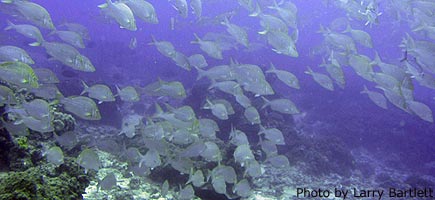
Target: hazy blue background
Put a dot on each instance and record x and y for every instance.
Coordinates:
(393, 135)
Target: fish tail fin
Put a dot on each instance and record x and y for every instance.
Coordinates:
(263, 32)
(201, 73)
(420, 27)
(169, 107)
(159, 110)
(365, 90)
(275, 5)
(225, 22)
(323, 64)
(295, 35)
(10, 25)
(410, 43)
(197, 39)
(105, 5)
(266, 102)
(213, 84)
(309, 70)
(207, 104)
(377, 59)
(257, 11)
(348, 29)
(85, 88)
(262, 129)
(323, 30)
(190, 176)
(271, 69)
(118, 90)
(35, 44)
(53, 32)
(153, 40)
(234, 62)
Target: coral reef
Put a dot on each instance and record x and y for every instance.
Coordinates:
(44, 182)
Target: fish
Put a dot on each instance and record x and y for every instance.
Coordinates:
(197, 61)
(129, 125)
(219, 184)
(287, 12)
(229, 87)
(100, 92)
(33, 12)
(322, 79)
(270, 23)
(211, 48)
(182, 61)
(121, 13)
(227, 172)
(217, 73)
(151, 159)
(196, 6)
(143, 10)
(238, 137)
(253, 169)
(68, 56)
(279, 161)
(38, 108)
(46, 76)
(39, 125)
(7, 96)
(197, 178)
(180, 6)
(219, 110)
(421, 110)
(284, 106)
(83, 107)
(376, 97)
(208, 128)
(360, 36)
(18, 73)
(243, 154)
(160, 88)
(252, 115)
(71, 38)
(269, 147)
(282, 43)
(14, 54)
(285, 76)
(272, 134)
(47, 91)
(211, 152)
(89, 159)
(334, 70)
(184, 113)
(239, 34)
(108, 182)
(362, 65)
(28, 31)
(54, 155)
(164, 47)
(78, 28)
(243, 100)
(242, 188)
(337, 41)
(66, 140)
(128, 94)
(133, 43)
(187, 193)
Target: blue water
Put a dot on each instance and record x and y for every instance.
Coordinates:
(398, 140)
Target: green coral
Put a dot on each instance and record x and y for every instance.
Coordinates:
(41, 183)
(22, 142)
